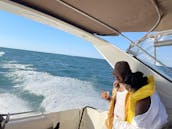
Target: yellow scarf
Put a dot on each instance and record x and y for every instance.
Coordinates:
(133, 98)
(110, 115)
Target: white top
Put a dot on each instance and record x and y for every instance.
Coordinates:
(119, 110)
(154, 118)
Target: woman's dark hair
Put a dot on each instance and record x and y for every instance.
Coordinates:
(122, 68)
(136, 80)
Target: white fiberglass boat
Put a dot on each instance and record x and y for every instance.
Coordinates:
(87, 19)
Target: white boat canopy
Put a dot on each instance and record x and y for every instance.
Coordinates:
(110, 17)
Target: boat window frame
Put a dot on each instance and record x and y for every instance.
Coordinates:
(155, 37)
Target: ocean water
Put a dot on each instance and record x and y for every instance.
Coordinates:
(51, 82)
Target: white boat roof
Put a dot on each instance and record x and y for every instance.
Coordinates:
(119, 15)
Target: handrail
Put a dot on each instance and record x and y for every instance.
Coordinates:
(5, 118)
(83, 110)
(18, 113)
(163, 43)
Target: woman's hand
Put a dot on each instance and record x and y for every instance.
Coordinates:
(105, 95)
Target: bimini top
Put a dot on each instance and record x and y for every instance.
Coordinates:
(102, 17)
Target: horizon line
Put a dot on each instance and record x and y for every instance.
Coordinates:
(52, 53)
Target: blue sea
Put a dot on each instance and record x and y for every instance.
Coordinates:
(51, 82)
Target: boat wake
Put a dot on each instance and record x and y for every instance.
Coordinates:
(10, 103)
(59, 93)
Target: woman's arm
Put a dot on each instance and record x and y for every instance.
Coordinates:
(142, 106)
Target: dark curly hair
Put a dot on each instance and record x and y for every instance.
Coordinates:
(136, 80)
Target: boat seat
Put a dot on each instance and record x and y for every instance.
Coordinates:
(38, 122)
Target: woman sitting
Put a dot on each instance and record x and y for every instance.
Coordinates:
(144, 108)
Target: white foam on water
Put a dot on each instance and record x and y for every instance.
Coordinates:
(2, 53)
(14, 66)
(10, 103)
(60, 93)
